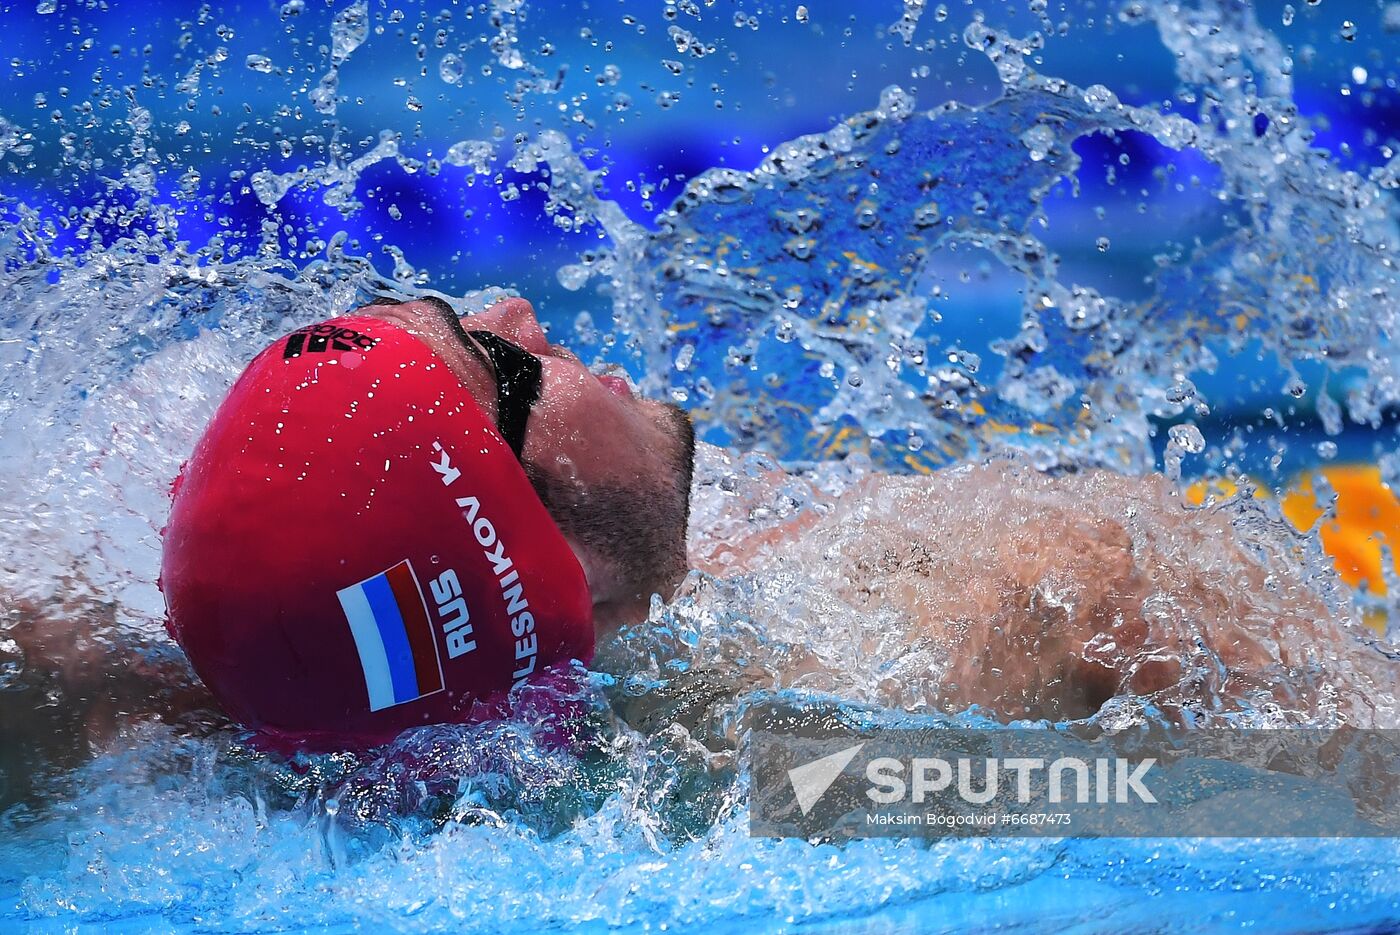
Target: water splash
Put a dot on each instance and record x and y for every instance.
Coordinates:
(798, 307)
(839, 305)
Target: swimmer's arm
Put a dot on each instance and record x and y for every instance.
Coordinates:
(1050, 595)
(72, 679)
(768, 509)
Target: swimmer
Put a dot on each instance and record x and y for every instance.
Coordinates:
(398, 515)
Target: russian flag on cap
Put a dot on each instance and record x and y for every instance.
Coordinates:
(398, 651)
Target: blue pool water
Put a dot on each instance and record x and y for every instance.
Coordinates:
(866, 236)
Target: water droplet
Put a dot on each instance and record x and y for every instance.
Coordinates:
(1099, 97)
(452, 68)
(573, 276)
(966, 359)
(349, 30)
(1182, 391)
(800, 248)
(1348, 30)
(46, 6)
(326, 93)
(474, 153)
(1288, 14)
(259, 63)
(1038, 139)
(684, 356)
(1187, 437)
(269, 187)
(927, 215)
(802, 14)
(688, 44)
(1103, 244)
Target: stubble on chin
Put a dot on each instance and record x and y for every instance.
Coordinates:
(635, 537)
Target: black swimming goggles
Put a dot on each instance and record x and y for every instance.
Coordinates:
(517, 371)
(518, 377)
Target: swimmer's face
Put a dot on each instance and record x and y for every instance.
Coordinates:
(613, 469)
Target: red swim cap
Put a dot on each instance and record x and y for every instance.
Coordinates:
(354, 550)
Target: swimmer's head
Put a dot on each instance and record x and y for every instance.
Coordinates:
(390, 519)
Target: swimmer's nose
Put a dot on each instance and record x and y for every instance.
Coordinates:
(513, 319)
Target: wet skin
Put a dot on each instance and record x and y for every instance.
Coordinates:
(586, 434)
(1041, 596)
